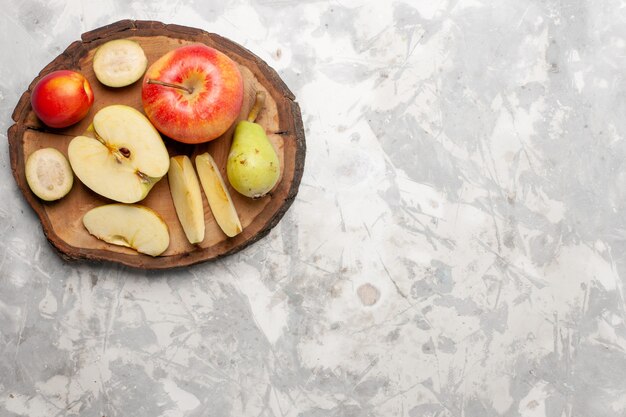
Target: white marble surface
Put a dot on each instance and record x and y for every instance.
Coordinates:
(457, 247)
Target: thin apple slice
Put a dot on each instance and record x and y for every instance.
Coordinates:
(217, 195)
(187, 198)
(121, 156)
(48, 174)
(119, 63)
(134, 226)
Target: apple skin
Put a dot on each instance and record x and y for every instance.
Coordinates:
(62, 98)
(212, 106)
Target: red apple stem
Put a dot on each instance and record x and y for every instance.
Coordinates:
(259, 102)
(166, 84)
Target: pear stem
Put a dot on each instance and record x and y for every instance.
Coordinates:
(166, 84)
(259, 102)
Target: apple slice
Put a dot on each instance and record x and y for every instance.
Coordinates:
(186, 196)
(218, 196)
(119, 63)
(133, 226)
(48, 174)
(121, 156)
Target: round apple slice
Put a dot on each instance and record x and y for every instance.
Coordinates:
(131, 225)
(48, 174)
(119, 63)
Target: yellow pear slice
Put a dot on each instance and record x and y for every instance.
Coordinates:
(121, 156)
(187, 198)
(133, 226)
(217, 195)
(48, 174)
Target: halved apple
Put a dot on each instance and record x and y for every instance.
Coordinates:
(217, 195)
(121, 156)
(134, 226)
(187, 198)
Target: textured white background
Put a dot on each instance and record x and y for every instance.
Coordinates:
(457, 247)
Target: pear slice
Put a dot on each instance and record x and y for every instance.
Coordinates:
(121, 156)
(119, 63)
(187, 198)
(217, 195)
(48, 174)
(133, 226)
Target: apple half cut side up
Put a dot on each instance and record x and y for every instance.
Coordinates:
(187, 198)
(217, 195)
(133, 226)
(121, 156)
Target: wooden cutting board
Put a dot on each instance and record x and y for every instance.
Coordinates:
(62, 220)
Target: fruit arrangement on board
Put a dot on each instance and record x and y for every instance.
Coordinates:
(192, 94)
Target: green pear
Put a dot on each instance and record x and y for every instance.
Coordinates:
(253, 168)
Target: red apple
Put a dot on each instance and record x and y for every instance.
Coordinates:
(193, 93)
(62, 98)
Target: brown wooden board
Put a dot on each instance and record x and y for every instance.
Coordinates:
(62, 220)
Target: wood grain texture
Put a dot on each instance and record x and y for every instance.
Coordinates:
(62, 220)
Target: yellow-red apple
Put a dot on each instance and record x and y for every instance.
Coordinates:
(193, 93)
(62, 98)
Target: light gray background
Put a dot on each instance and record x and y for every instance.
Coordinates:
(457, 247)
